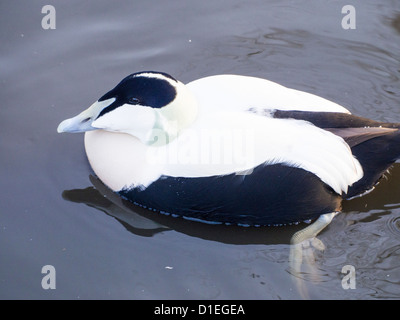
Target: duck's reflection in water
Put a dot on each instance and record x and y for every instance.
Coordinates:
(103, 199)
(143, 222)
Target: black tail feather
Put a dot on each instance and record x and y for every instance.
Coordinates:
(376, 156)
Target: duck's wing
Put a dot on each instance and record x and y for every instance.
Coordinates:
(375, 144)
(330, 119)
(353, 129)
(356, 136)
(239, 142)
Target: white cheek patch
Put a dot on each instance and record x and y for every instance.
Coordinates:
(127, 118)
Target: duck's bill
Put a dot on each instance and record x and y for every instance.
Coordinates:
(83, 121)
(76, 124)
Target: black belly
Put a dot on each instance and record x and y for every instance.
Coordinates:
(270, 195)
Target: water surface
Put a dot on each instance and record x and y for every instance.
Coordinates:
(51, 213)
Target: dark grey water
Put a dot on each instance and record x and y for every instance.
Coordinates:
(50, 213)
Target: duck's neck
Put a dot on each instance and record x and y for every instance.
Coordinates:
(173, 118)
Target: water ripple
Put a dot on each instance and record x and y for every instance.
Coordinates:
(393, 225)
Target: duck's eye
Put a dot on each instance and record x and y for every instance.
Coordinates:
(133, 100)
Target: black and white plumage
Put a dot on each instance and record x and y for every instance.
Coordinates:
(232, 149)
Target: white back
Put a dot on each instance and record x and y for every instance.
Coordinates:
(240, 93)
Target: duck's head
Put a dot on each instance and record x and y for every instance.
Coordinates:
(143, 105)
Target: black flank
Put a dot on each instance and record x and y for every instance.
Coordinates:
(271, 194)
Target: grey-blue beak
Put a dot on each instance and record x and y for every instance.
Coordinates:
(76, 124)
(83, 121)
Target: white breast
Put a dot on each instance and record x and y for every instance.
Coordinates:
(119, 159)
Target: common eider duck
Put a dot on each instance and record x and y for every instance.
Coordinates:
(232, 149)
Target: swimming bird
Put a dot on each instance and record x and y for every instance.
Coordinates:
(232, 149)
